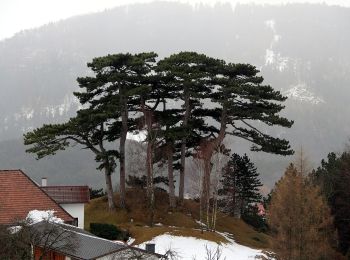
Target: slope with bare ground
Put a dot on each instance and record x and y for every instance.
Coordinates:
(181, 222)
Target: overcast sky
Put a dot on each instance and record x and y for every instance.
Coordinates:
(17, 15)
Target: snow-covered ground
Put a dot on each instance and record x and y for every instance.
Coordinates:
(189, 248)
(186, 248)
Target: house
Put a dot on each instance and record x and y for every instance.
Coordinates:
(70, 198)
(66, 242)
(261, 209)
(19, 194)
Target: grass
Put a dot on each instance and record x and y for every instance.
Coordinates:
(182, 222)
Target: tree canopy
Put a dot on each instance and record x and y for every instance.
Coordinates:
(191, 101)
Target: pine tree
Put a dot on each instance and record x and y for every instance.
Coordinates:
(240, 185)
(119, 84)
(87, 129)
(239, 100)
(300, 219)
(188, 75)
(169, 119)
(168, 116)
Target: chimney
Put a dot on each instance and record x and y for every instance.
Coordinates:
(151, 248)
(43, 182)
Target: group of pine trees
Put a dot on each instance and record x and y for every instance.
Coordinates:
(187, 104)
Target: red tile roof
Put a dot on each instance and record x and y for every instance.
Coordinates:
(19, 194)
(68, 194)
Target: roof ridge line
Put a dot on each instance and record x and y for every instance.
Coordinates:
(93, 236)
(37, 185)
(11, 170)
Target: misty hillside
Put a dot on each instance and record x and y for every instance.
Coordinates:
(301, 49)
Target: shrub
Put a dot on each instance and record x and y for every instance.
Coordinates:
(96, 193)
(109, 231)
(251, 217)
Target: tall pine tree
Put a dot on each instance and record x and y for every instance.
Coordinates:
(118, 85)
(239, 100)
(188, 73)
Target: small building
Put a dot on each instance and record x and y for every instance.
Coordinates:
(19, 195)
(261, 209)
(72, 243)
(71, 198)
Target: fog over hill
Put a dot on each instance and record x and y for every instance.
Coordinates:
(301, 49)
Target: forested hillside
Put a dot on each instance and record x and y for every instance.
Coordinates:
(301, 49)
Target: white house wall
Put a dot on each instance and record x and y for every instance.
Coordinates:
(77, 211)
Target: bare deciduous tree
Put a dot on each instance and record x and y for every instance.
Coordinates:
(196, 184)
(218, 162)
(212, 254)
(215, 254)
(17, 241)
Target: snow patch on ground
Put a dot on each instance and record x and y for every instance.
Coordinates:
(272, 58)
(271, 24)
(301, 93)
(67, 103)
(189, 248)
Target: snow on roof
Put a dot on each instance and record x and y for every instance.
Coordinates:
(35, 216)
(19, 194)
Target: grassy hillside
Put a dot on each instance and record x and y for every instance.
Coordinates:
(136, 220)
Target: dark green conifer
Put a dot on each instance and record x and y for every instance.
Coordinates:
(116, 89)
(240, 185)
(89, 130)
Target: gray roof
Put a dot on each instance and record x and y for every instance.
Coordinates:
(76, 242)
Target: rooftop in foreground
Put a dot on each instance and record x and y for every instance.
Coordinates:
(19, 194)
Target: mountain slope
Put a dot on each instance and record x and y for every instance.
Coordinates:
(301, 49)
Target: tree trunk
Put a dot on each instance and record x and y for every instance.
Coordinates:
(207, 149)
(150, 184)
(172, 203)
(215, 212)
(109, 188)
(234, 201)
(124, 132)
(149, 168)
(206, 189)
(183, 149)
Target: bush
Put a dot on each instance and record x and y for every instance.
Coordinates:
(96, 193)
(109, 231)
(251, 217)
